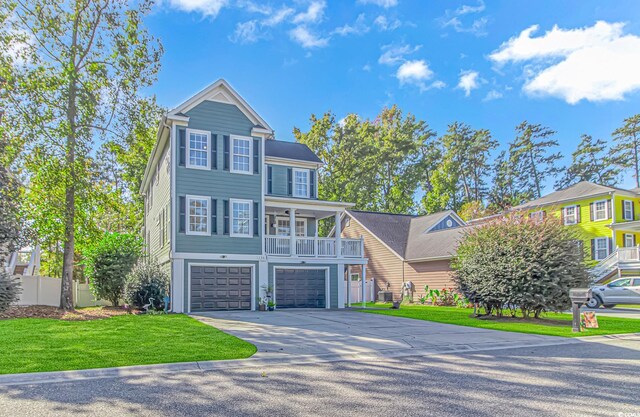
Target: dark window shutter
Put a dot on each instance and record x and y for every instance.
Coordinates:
(289, 181)
(578, 214)
(312, 183)
(544, 214)
(256, 156)
(609, 209)
(633, 210)
(225, 207)
(214, 216)
(214, 151)
(183, 215)
(610, 245)
(634, 239)
(256, 216)
(562, 211)
(591, 211)
(593, 249)
(182, 146)
(269, 179)
(226, 151)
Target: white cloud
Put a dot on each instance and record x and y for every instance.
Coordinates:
(417, 73)
(466, 9)
(594, 63)
(469, 80)
(382, 3)
(209, 8)
(492, 95)
(246, 32)
(394, 54)
(453, 19)
(384, 24)
(366, 67)
(306, 39)
(358, 28)
(313, 14)
(278, 16)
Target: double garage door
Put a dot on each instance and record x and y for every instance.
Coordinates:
(229, 288)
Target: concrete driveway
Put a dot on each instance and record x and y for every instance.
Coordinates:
(296, 333)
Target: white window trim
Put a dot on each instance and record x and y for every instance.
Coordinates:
(188, 156)
(595, 210)
(231, 232)
(575, 215)
(624, 212)
(188, 204)
(595, 252)
(298, 219)
(537, 215)
(308, 183)
(231, 155)
(624, 239)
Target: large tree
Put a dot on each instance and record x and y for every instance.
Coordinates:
(626, 151)
(590, 162)
(532, 158)
(69, 67)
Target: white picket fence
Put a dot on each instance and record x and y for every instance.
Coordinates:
(45, 291)
(356, 290)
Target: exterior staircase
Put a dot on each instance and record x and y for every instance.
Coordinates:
(620, 261)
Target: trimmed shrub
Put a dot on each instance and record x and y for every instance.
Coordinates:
(108, 262)
(146, 284)
(520, 264)
(9, 290)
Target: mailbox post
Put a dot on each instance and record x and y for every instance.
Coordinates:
(578, 297)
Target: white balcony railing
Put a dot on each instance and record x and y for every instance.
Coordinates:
(321, 247)
(621, 258)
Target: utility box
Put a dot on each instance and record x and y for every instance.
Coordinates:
(385, 296)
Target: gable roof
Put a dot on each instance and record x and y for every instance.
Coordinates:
(583, 189)
(290, 150)
(409, 236)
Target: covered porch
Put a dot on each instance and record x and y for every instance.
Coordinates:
(303, 240)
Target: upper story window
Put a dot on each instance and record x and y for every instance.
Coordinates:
(198, 215)
(600, 210)
(198, 145)
(241, 218)
(284, 223)
(301, 183)
(627, 210)
(241, 154)
(537, 215)
(570, 215)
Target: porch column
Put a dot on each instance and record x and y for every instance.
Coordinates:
(292, 232)
(338, 229)
(349, 285)
(364, 284)
(341, 282)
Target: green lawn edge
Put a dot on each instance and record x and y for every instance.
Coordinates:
(46, 345)
(460, 317)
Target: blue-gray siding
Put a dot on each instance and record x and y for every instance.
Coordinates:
(443, 224)
(280, 180)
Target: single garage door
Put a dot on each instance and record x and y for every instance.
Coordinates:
(301, 288)
(220, 288)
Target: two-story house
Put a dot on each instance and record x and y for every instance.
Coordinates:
(230, 212)
(607, 220)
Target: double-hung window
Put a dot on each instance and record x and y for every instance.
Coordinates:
(284, 227)
(198, 146)
(627, 210)
(629, 240)
(301, 183)
(241, 154)
(601, 249)
(600, 210)
(198, 215)
(570, 215)
(241, 218)
(537, 216)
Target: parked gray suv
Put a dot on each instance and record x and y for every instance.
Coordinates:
(620, 291)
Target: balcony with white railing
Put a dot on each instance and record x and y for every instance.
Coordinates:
(621, 259)
(314, 247)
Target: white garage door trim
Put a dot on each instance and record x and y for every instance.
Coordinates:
(327, 280)
(253, 279)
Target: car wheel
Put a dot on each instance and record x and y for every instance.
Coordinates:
(594, 302)
(609, 305)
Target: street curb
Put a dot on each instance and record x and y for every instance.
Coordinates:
(220, 365)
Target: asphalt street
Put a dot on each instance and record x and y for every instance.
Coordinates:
(591, 378)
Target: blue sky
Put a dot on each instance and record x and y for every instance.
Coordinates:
(571, 65)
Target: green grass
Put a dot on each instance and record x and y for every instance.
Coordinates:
(552, 325)
(39, 345)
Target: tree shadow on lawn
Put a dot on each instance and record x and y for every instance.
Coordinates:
(582, 378)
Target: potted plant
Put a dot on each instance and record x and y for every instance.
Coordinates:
(271, 305)
(262, 305)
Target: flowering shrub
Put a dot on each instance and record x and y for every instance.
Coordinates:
(443, 297)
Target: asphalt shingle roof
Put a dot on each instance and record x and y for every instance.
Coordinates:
(582, 189)
(392, 229)
(290, 150)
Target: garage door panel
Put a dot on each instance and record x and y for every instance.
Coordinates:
(220, 288)
(302, 288)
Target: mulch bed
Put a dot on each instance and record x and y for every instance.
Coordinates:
(46, 312)
(533, 320)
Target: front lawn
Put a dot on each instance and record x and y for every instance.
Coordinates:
(551, 324)
(39, 345)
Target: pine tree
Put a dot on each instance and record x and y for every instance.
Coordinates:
(626, 152)
(590, 162)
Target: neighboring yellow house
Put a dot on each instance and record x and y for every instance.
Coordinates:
(607, 219)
